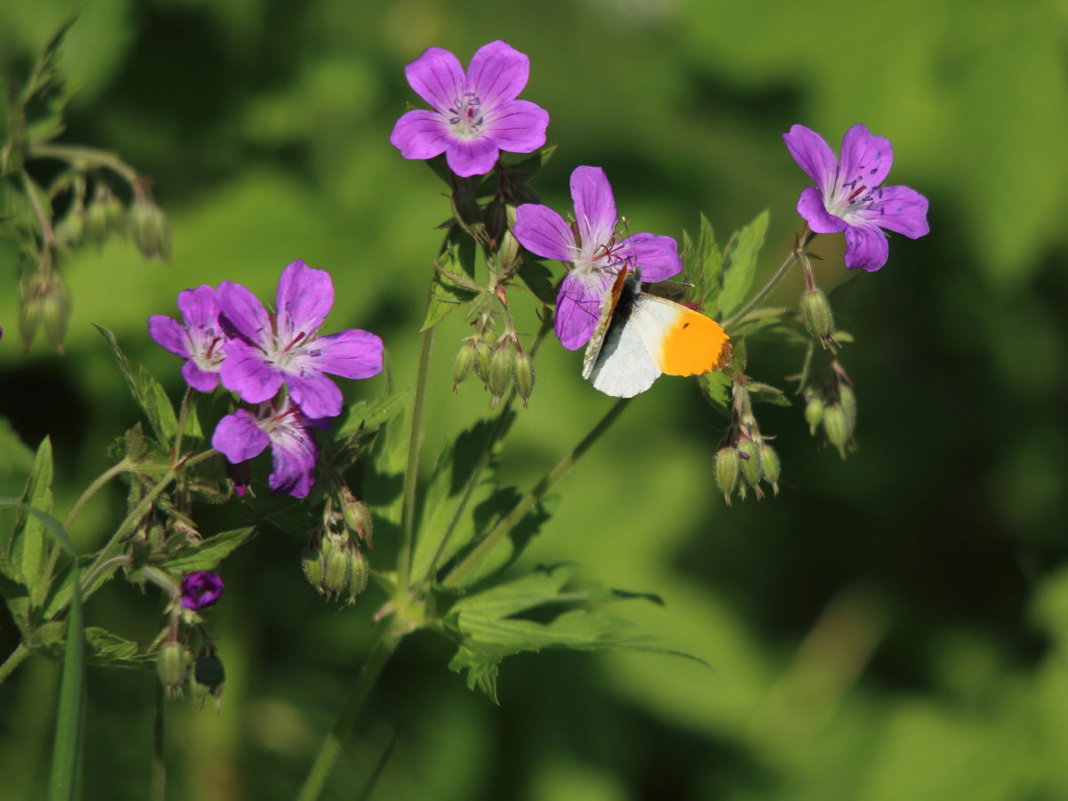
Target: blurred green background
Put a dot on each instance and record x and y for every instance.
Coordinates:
(890, 627)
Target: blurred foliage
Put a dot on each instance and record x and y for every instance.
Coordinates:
(891, 627)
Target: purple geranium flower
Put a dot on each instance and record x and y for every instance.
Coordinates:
(267, 353)
(245, 434)
(475, 115)
(201, 589)
(851, 196)
(591, 247)
(200, 341)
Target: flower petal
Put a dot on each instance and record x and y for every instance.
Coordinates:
(239, 438)
(810, 207)
(437, 77)
(198, 379)
(812, 154)
(866, 159)
(866, 247)
(517, 126)
(199, 307)
(304, 298)
(170, 334)
(245, 312)
(544, 232)
(293, 457)
(472, 156)
(595, 207)
(656, 257)
(315, 394)
(350, 354)
(578, 307)
(421, 134)
(246, 372)
(497, 73)
(900, 209)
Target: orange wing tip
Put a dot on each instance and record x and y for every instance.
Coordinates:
(695, 344)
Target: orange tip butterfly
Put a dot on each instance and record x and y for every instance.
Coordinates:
(640, 336)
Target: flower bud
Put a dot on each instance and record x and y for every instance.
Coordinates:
(501, 370)
(482, 358)
(727, 468)
(311, 562)
(150, 230)
(524, 376)
(55, 311)
(462, 364)
(208, 678)
(509, 251)
(344, 568)
(847, 399)
(97, 221)
(836, 427)
(116, 214)
(71, 228)
(770, 465)
(816, 314)
(750, 462)
(171, 666)
(814, 412)
(32, 287)
(358, 518)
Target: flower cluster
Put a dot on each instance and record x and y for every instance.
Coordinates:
(277, 364)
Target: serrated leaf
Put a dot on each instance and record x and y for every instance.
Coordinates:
(157, 407)
(366, 417)
(208, 554)
(15, 456)
(709, 263)
(28, 555)
(445, 295)
(717, 388)
(766, 393)
(741, 264)
(108, 648)
(42, 98)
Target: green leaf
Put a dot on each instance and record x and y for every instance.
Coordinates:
(741, 263)
(703, 264)
(717, 388)
(147, 391)
(28, 555)
(366, 417)
(15, 457)
(526, 167)
(208, 554)
(766, 393)
(108, 648)
(455, 259)
(42, 98)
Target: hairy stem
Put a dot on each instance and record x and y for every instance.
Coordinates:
(411, 473)
(14, 659)
(87, 155)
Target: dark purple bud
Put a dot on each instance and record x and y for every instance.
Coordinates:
(201, 589)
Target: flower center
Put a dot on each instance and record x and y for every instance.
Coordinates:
(465, 115)
(849, 198)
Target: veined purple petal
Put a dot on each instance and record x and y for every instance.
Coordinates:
(199, 306)
(304, 298)
(866, 247)
(810, 207)
(198, 379)
(517, 126)
(866, 159)
(437, 77)
(239, 438)
(472, 156)
(656, 257)
(169, 333)
(350, 354)
(900, 209)
(497, 73)
(578, 307)
(595, 207)
(245, 372)
(245, 312)
(812, 154)
(421, 134)
(293, 457)
(544, 232)
(315, 394)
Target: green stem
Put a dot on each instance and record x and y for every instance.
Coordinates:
(93, 489)
(411, 473)
(342, 729)
(183, 415)
(95, 158)
(773, 282)
(460, 574)
(14, 659)
(48, 236)
(159, 731)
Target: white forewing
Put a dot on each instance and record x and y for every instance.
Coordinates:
(629, 358)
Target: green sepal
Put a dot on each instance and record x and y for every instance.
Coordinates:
(208, 554)
(740, 264)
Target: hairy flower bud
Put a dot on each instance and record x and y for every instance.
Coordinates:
(171, 665)
(847, 399)
(770, 465)
(97, 222)
(482, 358)
(55, 311)
(358, 518)
(836, 427)
(311, 562)
(208, 678)
(727, 468)
(150, 230)
(501, 370)
(816, 314)
(814, 412)
(524, 376)
(341, 570)
(462, 364)
(750, 462)
(71, 228)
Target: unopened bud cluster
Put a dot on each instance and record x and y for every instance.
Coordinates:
(832, 410)
(745, 459)
(500, 361)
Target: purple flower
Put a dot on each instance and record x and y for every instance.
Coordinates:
(851, 196)
(200, 341)
(474, 115)
(591, 247)
(267, 353)
(201, 589)
(245, 434)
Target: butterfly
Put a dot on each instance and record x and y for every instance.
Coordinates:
(640, 336)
